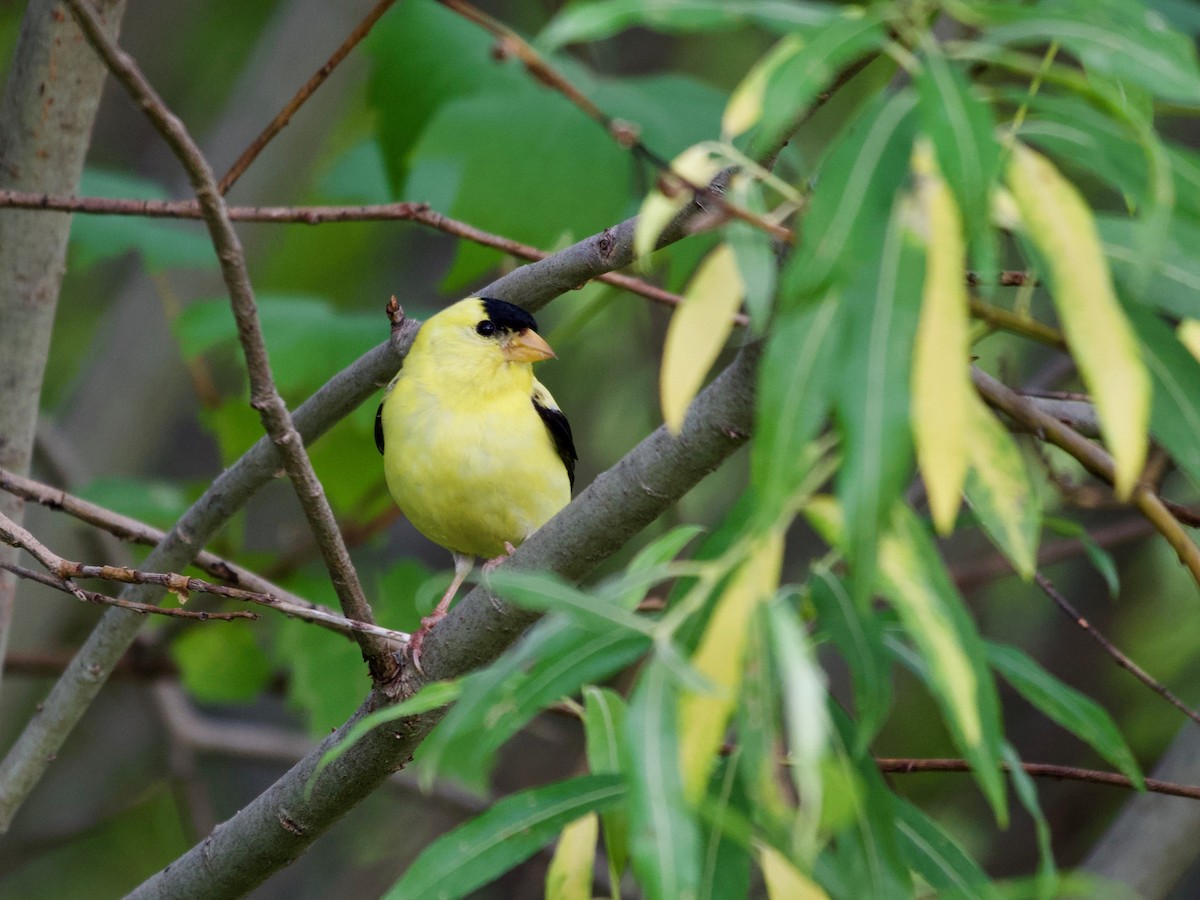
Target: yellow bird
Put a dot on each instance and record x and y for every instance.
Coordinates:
(476, 452)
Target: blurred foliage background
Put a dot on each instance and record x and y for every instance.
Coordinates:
(204, 717)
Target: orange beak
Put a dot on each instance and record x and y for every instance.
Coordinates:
(526, 346)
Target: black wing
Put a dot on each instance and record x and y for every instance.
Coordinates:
(379, 427)
(560, 431)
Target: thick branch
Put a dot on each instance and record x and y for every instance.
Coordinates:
(264, 396)
(281, 822)
(46, 115)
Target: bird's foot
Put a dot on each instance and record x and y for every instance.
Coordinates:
(492, 563)
(418, 637)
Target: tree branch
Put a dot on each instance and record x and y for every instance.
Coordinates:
(49, 104)
(257, 589)
(264, 396)
(1111, 649)
(1039, 770)
(420, 213)
(309, 87)
(60, 584)
(281, 822)
(1093, 458)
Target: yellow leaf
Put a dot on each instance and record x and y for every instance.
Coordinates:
(697, 166)
(1188, 333)
(698, 331)
(1000, 491)
(720, 658)
(570, 874)
(919, 605)
(784, 880)
(745, 104)
(941, 379)
(1060, 224)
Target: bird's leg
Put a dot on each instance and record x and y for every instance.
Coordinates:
(462, 568)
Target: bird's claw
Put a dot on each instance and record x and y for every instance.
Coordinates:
(418, 638)
(495, 561)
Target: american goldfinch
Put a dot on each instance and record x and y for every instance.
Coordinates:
(475, 451)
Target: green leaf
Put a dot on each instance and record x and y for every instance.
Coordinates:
(1059, 222)
(1026, 791)
(853, 200)
(161, 244)
(585, 22)
(789, 79)
(551, 663)
(221, 662)
(1100, 558)
(755, 254)
(156, 502)
(546, 171)
(720, 658)
(410, 82)
(934, 855)
(1175, 413)
(1074, 711)
(665, 836)
(962, 129)
(327, 677)
(797, 379)
(1000, 491)
(1173, 282)
(432, 696)
(859, 638)
(604, 714)
(1119, 39)
(307, 337)
(884, 302)
(866, 855)
(914, 579)
(664, 548)
(542, 591)
(483, 849)
(1079, 135)
(757, 727)
(806, 722)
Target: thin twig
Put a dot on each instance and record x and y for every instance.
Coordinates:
(1111, 649)
(61, 584)
(264, 397)
(1184, 514)
(255, 588)
(973, 573)
(626, 134)
(419, 213)
(1040, 770)
(307, 90)
(1093, 458)
(1006, 320)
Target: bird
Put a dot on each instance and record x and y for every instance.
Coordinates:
(476, 453)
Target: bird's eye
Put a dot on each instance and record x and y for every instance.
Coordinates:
(486, 328)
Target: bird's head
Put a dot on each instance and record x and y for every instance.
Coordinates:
(487, 327)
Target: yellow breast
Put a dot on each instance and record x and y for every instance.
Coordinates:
(469, 460)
